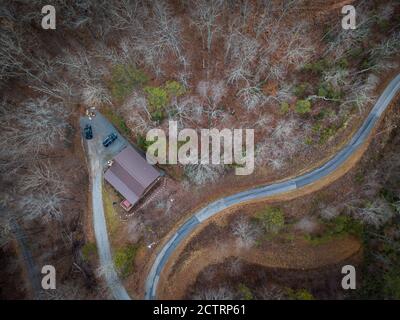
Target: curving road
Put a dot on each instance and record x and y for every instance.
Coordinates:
(273, 189)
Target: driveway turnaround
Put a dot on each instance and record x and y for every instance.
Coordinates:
(273, 189)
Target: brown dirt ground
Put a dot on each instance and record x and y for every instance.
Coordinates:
(264, 282)
(296, 255)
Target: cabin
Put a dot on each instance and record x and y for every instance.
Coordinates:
(131, 175)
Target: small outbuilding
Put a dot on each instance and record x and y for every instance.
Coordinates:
(131, 175)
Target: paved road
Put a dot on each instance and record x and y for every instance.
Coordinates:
(273, 189)
(98, 156)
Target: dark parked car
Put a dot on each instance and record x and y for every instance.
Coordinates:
(110, 139)
(88, 132)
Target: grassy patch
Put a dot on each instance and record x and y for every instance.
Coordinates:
(124, 258)
(124, 78)
(89, 250)
(112, 218)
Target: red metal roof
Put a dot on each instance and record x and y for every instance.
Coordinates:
(130, 174)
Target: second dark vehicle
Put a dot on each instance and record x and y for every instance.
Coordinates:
(109, 139)
(88, 132)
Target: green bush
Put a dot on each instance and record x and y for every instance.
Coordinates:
(337, 227)
(142, 143)
(326, 90)
(284, 109)
(343, 63)
(160, 97)
(117, 121)
(300, 90)
(124, 78)
(271, 219)
(157, 97)
(317, 67)
(346, 225)
(389, 196)
(158, 100)
(326, 134)
(245, 292)
(174, 89)
(301, 294)
(325, 113)
(303, 106)
(355, 52)
(383, 24)
(88, 250)
(124, 258)
(329, 36)
(308, 141)
(367, 63)
(391, 285)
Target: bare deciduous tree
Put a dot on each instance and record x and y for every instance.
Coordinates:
(221, 293)
(245, 232)
(271, 292)
(95, 96)
(201, 174)
(44, 192)
(299, 48)
(361, 94)
(241, 52)
(189, 110)
(39, 125)
(252, 97)
(15, 61)
(67, 290)
(286, 139)
(204, 14)
(212, 91)
(343, 40)
(157, 32)
(375, 213)
(5, 220)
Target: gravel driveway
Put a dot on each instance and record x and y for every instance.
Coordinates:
(97, 158)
